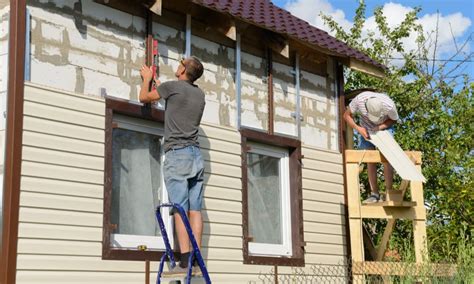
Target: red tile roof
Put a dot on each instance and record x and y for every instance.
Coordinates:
(265, 14)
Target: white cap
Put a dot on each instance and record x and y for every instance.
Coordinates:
(374, 107)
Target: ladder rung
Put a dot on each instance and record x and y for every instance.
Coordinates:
(392, 204)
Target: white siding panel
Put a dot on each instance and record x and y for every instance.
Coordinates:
(62, 158)
(61, 202)
(48, 141)
(64, 115)
(59, 232)
(62, 172)
(45, 185)
(60, 217)
(62, 99)
(63, 129)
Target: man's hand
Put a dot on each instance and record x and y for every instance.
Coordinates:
(146, 73)
(363, 132)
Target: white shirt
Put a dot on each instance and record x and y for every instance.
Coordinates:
(357, 106)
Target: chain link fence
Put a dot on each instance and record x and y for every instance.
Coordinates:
(370, 272)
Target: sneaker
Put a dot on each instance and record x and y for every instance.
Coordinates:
(372, 199)
(176, 271)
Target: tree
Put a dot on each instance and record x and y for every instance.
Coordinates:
(436, 109)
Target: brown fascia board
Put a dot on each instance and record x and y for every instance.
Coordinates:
(13, 145)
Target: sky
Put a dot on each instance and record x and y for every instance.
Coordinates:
(456, 19)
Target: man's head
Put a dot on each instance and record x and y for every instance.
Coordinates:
(374, 108)
(189, 69)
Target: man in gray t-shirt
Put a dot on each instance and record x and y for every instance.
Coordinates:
(183, 167)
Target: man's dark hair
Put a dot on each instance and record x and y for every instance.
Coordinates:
(194, 68)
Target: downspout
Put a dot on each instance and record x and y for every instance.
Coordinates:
(238, 80)
(14, 140)
(187, 52)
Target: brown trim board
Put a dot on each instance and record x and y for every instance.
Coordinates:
(342, 144)
(132, 109)
(14, 139)
(296, 196)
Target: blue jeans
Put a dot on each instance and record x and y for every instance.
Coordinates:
(366, 145)
(184, 177)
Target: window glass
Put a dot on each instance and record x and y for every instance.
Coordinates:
(268, 198)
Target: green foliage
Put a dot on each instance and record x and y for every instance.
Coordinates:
(436, 108)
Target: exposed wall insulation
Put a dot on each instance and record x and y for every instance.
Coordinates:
(254, 92)
(217, 81)
(284, 93)
(319, 111)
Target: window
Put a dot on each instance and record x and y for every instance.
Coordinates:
(272, 199)
(268, 193)
(134, 182)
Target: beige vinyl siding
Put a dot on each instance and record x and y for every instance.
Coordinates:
(60, 230)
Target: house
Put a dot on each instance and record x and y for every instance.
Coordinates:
(83, 158)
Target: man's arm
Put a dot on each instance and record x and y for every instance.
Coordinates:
(350, 120)
(147, 96)
(386, 124)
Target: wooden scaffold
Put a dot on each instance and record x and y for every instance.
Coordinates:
(392, 208)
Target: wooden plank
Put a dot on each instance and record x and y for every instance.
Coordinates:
(62, 158)
(34, 169)
(392, 204)
(47, 141)
(64, 115)
(374, 156)
(379, 212)
(353, 194)
(40, 125)
(384, 241)
(357, 248)
(64, 100)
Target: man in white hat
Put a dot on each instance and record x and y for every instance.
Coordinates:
(376, 112)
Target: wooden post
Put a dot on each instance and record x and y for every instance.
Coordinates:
(419, 224)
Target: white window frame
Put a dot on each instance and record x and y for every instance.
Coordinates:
(285, 249)
(126, 241)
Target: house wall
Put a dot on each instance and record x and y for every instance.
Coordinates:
(80, 47)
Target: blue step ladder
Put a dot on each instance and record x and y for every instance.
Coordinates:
(195, 252)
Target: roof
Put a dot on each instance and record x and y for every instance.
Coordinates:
(265, 14)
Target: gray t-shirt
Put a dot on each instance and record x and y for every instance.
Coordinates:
(183, 112)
